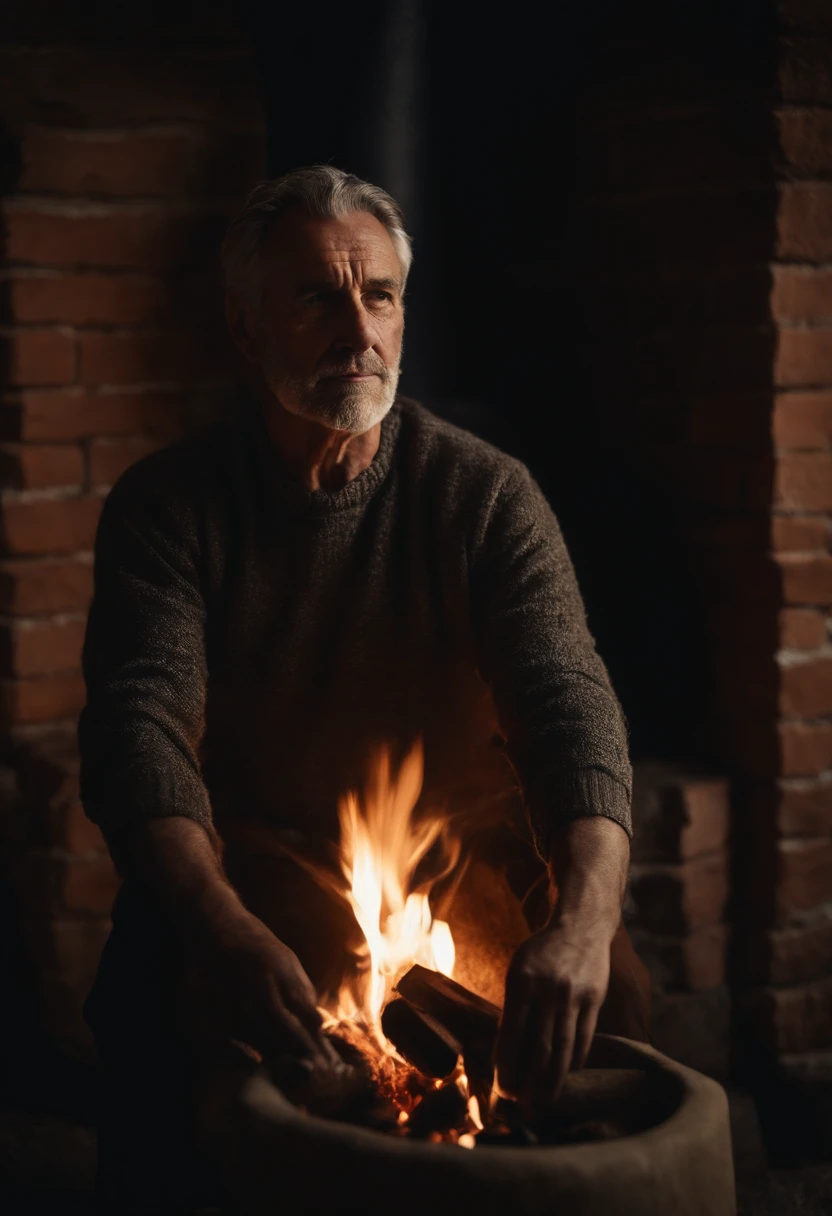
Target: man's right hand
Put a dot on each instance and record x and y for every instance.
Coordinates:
(260, 992)
(242, 982)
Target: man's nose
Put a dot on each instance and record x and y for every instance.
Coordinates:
(355, 330)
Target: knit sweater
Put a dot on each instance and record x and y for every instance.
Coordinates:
(251, 643)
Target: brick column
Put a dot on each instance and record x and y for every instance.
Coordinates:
(792, 1010)
(128, 165)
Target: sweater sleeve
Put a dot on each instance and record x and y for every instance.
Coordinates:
(145, 669)
(566, 735)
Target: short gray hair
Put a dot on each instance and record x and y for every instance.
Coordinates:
(320, 190)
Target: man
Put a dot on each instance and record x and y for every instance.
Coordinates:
(331, 569)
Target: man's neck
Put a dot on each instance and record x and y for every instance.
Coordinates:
(313, 454)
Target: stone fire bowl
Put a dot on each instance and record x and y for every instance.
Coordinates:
(676, 1160)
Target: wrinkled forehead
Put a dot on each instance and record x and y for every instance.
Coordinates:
(302, 247)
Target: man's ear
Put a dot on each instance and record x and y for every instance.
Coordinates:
(240, 321)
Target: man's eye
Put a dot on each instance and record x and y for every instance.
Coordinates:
(380, 295)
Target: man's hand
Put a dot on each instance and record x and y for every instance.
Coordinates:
(555, 987)
(259, 993)
(558, 979)
(242, 982)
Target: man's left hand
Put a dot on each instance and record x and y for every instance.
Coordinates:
(555, 987)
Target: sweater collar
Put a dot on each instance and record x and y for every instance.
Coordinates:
(321, 502)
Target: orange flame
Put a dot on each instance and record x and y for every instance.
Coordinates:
(381, 847)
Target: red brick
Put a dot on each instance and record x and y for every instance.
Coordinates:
(803, 419)
(41, 647)
(110, 457)
(680, 899)
(89, 885)
(801, 293)
(801, 629)
(805, 808)
(88, 299)
(78, 834)
(136, 358)
(42, 700)
(797, 534)
(806, 689)
(806, 749)
(49, 526)
(803, 481)
(805, 141)
(678, 812)
(804, 874)
(104, 162)
(44, 417)
(806, 580)
(35, 586)
(804, 70)
(147, 238)
(797, 955)
(40, 467)
(804, 357)
(689, 964)
(804, 222)
(40, 356)
(811, 16)
(796, 1019)
(80, 86)
(69, 947)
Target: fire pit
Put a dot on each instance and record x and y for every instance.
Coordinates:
(675, 1155)
(409, 1117)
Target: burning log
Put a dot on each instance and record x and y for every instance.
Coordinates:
(470, 1019)
(424, 1042)
(467, 1016)
(442, 1110)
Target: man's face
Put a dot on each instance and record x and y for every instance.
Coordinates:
(328, 337)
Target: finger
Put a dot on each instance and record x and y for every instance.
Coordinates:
(584, 1033)
(563, 1047)
(536, 1055)
(510, 1040)
(280, 1032)
(305, 1011)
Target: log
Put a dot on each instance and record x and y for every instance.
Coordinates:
(470, 1019)
(423, 1041)
(439, 1111)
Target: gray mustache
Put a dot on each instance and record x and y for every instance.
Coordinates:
(352, 369)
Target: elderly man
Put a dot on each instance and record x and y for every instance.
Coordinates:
(332, 568)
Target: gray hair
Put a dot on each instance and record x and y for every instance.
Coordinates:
(320, 190)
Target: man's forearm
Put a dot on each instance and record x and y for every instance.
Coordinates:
(589, 865)
(176, 858)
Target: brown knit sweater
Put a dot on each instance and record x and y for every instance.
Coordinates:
(250, 643)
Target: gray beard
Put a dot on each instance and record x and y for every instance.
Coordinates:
(357, 411)
(359, 408)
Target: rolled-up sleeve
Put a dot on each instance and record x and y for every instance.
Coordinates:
(565, 731)
(145, 669)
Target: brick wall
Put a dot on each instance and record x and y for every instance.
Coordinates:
(793, 1011)
(127, 163)
(676, 907)
(707, 182)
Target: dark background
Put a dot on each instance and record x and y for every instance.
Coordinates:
(471, 117)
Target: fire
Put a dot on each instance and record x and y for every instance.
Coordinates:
(382, 844)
